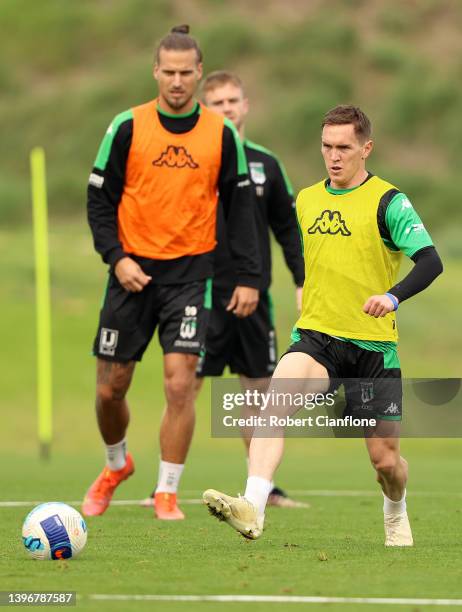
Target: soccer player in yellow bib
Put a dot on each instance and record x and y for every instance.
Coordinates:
(355, 227)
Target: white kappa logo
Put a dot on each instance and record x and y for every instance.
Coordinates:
(405, 203)
(415, 227)
(392, 409)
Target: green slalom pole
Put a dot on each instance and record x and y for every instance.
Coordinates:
(42, 289)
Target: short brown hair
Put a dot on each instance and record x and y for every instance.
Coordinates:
(178, 39)
(218, 78)
(344, 114)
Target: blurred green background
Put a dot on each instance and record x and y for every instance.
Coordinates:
(68, 67)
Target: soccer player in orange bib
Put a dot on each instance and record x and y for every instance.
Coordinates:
(152, 205)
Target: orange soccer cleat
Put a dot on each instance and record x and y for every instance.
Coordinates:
(165, 507)
(99, 495)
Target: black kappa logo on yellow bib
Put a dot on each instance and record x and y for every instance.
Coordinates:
(175, 157)
(330, 222)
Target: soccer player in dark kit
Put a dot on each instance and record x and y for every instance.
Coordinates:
(152, 205)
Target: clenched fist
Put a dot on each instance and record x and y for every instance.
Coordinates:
(130, 275)
(379, 305)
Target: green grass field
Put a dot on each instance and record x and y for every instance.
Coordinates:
(334, 548)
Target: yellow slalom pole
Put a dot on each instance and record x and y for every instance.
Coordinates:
(42, 291)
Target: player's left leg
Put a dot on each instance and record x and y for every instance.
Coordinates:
(392, 473)
(182, 328)
(176, 430)
(377, 391)
(220, 334)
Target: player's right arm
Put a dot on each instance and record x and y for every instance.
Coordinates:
(283, 220)
(238, 205)
(105, 187)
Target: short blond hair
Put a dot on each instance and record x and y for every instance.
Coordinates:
(218, 78)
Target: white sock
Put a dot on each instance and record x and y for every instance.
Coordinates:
(394, 507)
(115, 455)
(257, 491)
(272, 482)
(169, 477)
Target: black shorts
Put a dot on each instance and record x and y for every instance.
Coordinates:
(128, 320)
(372, 380)
(248, 346)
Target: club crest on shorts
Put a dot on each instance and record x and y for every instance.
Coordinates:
(367, 391)
(257, 173)
(188, 326)
(108, 341)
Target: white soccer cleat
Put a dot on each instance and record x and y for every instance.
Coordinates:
(238, 512)
(397, 530)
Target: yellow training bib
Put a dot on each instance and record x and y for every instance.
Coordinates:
(346, 261)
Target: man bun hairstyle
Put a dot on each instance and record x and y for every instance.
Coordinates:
(345, 114)
(218, 78)
(179, 39)
(181, 29)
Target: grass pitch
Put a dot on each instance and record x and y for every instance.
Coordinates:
(334, 548)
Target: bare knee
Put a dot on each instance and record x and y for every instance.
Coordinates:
(179, 389)
(385, 463)
(180, 381)
(106, 394)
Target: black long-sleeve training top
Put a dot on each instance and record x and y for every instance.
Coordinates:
(275, 210)
(106, 186)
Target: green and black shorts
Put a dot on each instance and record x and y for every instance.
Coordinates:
(128, 320)
(371, 379)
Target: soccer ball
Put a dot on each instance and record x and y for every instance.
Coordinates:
(54, 531)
